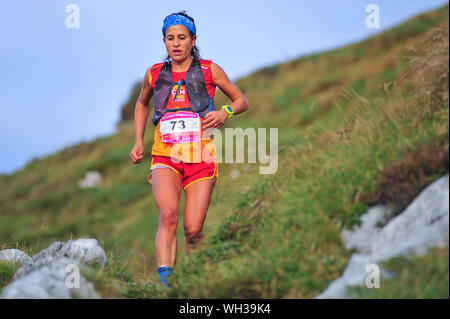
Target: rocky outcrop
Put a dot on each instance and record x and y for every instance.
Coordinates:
(51, 282)
(86, 251)
(54, 272)
(14, 256)
(423, 224)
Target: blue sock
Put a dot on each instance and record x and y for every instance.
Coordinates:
(164, 273)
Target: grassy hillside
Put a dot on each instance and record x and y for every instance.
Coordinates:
(346, 119)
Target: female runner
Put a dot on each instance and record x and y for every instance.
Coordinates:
(183, 155)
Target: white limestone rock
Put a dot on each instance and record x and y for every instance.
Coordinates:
(361, 238)
(84, 250)
(55, 280)
(91, 179)
(14, 256)
(422, 225)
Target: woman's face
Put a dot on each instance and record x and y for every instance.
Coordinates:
(178, 42)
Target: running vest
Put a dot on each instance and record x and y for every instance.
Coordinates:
(200, 101)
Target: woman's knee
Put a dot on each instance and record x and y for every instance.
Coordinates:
(193, 234)
(168, 219)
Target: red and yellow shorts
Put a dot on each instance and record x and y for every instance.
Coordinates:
(189, 172)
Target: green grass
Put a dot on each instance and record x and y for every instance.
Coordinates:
(7, 271)
(418, 277)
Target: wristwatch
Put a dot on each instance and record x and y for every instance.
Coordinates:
(229, 110)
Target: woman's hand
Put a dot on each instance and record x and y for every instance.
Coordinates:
(137, 153)
(215, 119)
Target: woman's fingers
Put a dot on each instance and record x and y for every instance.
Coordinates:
(212, 120)
(211, 116)
(139, 156)
(212, 123)
(207, 120)
(136, 156)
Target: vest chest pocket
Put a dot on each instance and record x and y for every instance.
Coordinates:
(180, 127)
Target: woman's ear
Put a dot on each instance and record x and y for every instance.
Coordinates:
(194, 38)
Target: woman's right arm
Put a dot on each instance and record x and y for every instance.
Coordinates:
(140, 118)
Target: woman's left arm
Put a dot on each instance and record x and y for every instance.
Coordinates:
(239, 101)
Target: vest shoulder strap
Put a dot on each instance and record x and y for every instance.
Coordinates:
(205, 64)
(156, 65)
(154, 72)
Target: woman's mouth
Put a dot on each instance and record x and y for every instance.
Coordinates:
(177, 52)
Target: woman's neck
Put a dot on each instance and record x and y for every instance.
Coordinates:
(181, 66)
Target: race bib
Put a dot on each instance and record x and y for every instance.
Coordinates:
(180, 127)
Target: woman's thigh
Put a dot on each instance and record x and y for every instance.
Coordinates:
(198, 196)
(167, 186)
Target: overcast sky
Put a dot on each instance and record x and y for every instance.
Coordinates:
(60, 86)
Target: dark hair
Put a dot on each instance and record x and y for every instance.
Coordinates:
(195, 53)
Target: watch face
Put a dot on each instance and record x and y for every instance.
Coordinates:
(229, 109)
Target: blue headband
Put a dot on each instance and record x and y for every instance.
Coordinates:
(178, 19)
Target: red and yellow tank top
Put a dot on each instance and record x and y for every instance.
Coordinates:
(194, 152)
